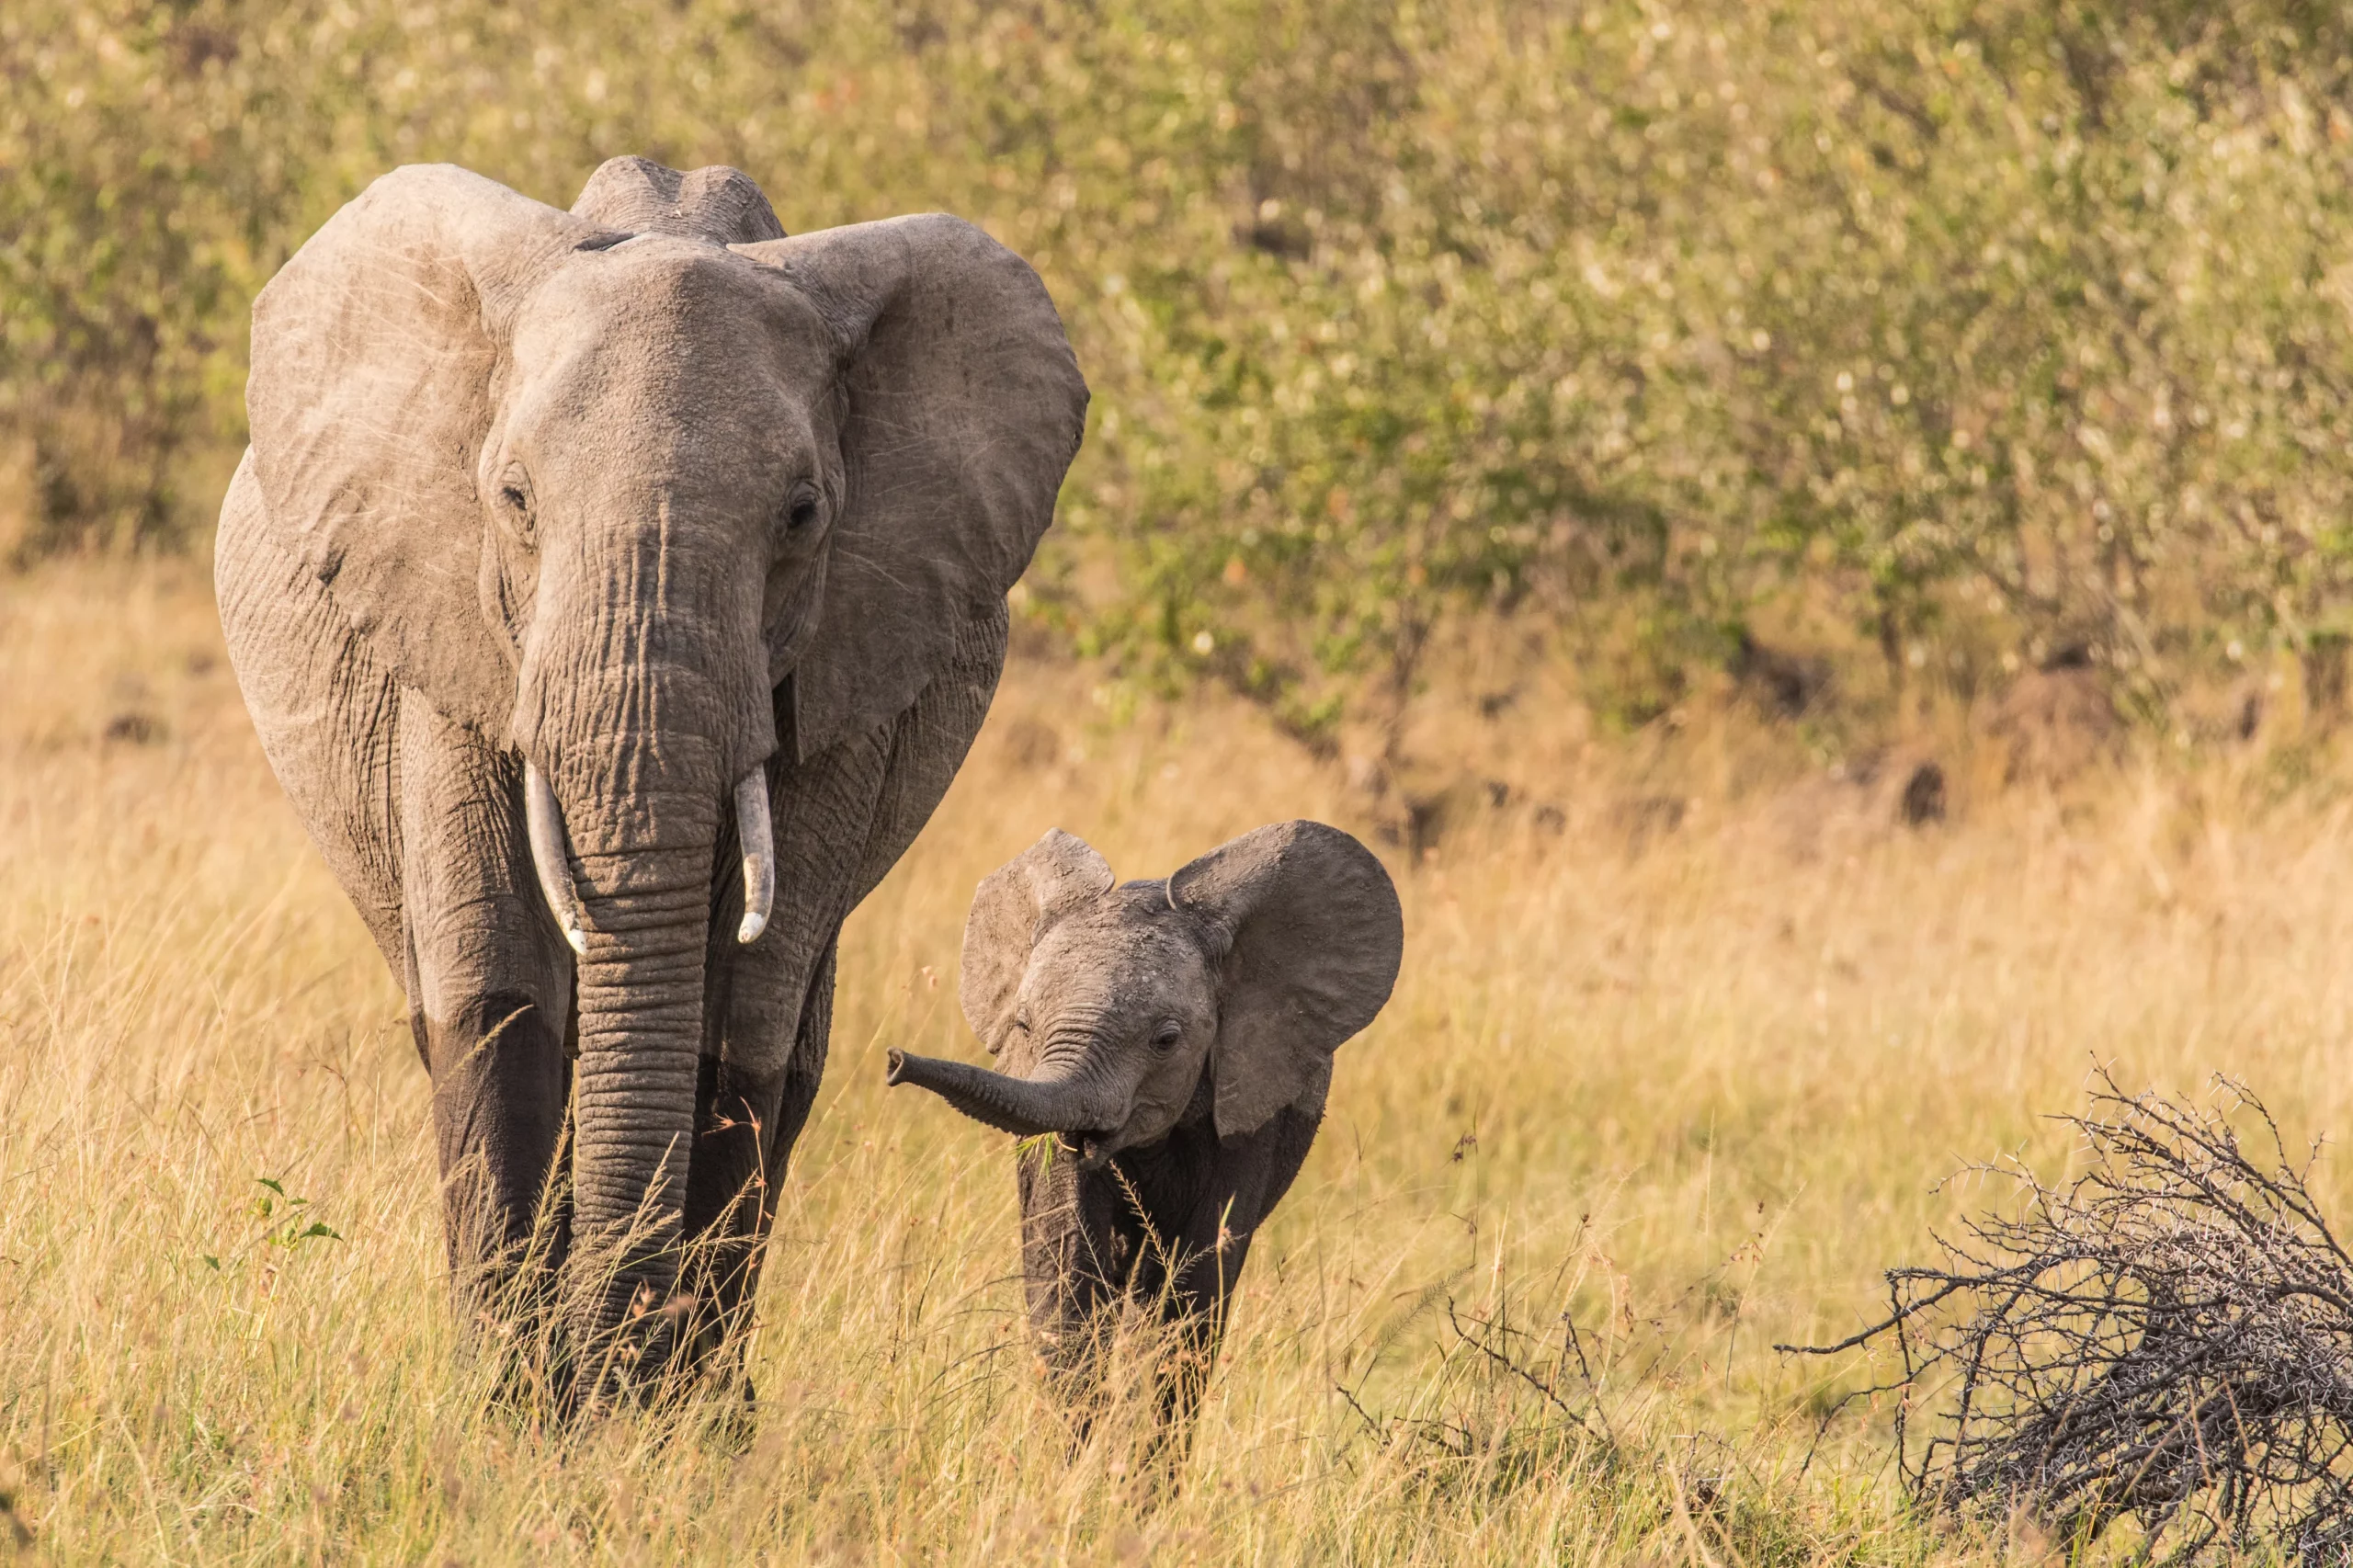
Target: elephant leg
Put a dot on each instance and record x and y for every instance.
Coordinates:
(1233, 1186)
(747, 1128)
(1085, 1250)
(806, 1069)
(768, 1016)
(490, 1002)
(841, 819)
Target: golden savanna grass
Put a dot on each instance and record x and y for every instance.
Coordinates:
(1694, 1086)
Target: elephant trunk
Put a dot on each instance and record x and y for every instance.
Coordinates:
(631, 843)
(1026, 1108)
(643, 706)
(645, 914)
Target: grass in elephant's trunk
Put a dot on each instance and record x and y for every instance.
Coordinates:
(1695, 1093)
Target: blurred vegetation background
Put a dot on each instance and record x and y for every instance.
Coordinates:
(1901, 346)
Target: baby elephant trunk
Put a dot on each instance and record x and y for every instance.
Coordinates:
(1024, 1106)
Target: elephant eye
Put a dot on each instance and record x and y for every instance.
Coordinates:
(801, 513)
(1165, 1037)
(514, 502)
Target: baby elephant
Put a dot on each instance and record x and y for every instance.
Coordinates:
(1176, 1038)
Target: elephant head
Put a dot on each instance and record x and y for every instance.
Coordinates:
(642, 491)
(1118, 1010)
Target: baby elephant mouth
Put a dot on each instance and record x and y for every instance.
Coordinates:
(1070, 1109)
(1091, 1150)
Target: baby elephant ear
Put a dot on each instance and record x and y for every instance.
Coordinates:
(1014, 905)
(1312, 939)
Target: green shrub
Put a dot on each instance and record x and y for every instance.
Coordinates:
(1952, 331)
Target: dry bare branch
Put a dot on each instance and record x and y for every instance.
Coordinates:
(2166, 1337)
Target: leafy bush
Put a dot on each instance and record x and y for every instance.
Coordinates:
(1949, 333)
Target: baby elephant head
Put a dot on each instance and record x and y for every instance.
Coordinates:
(1117, 1010)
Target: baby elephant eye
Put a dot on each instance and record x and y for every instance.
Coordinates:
(1166, 1036)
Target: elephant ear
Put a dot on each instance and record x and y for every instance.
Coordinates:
(1312, 937)
(1014, 906)
(375, 349)
(962, 408)
(639, 195)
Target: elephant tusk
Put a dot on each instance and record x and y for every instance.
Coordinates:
(757, 835)
(551, 855)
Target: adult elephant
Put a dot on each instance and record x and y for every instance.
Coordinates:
(616, 593)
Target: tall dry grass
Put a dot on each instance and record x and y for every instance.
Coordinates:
(1696, 1091)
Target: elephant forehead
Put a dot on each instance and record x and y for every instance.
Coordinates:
(1127, 950)
(678, 308)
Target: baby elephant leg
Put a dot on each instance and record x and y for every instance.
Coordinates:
(1165, 1227)
(1210, 1243)
(1082, 1243)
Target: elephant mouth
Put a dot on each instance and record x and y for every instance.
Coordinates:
(1091, 1150)
(551, 854)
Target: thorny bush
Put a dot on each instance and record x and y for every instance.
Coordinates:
(2166, 1338)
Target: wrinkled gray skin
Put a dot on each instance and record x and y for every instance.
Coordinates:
(650, 497)
(1176, 1037)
